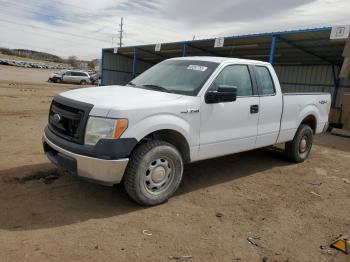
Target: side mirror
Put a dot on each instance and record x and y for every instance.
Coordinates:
(223, 94)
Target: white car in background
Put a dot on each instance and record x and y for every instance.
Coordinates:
(56, 77)
(71, 77)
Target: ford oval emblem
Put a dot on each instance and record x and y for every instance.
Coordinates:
(57, 118)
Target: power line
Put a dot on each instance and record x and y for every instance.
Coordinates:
(52, 30)
(29, 10)
(40, 4)
(45, 36)
(68, 4)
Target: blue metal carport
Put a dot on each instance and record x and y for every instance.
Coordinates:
(306, 60)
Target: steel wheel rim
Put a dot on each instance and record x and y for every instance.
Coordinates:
(304, 144)
(159, 175)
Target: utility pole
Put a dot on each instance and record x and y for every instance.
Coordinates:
(121, 31)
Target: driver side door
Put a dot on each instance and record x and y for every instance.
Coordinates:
(230, 127)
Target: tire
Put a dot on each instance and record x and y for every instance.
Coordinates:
(83, 82)
(299, 148)
(154, 173)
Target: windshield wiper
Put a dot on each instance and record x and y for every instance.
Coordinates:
(157, 88)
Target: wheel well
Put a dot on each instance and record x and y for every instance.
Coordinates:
(173, 137)
(310, 120)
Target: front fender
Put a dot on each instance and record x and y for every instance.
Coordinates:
(160, 122)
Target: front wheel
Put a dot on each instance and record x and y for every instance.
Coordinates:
(154, 173)
(299, 148)
(83, 82)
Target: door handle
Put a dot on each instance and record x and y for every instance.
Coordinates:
(254, 109)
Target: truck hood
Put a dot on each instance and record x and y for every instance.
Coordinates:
(105, 98)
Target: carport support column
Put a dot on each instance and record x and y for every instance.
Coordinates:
(336, 87)
(134, 63)
(184, 51)
(272, 49)
(101, 68)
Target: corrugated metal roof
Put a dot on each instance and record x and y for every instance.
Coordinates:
(304, 46)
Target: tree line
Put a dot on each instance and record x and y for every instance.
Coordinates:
(71, 60)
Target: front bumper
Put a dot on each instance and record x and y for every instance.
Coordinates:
(104, 171)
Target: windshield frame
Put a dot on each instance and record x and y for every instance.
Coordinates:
(194, 92)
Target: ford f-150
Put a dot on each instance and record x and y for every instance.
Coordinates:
(179, 111)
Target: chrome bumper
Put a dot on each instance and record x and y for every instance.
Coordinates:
(104, 171)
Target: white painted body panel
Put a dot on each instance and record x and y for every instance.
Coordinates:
(270, 112)
(297, 107)
(146, 110)
(216, 129)
(227, 128)
(109, 98)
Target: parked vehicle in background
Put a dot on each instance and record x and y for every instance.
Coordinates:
(180, 111)
(95, 78)
(91, 72)
(76, 77)
(71, 77)
(30, 64)
(56, 77)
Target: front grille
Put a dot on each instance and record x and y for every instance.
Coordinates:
(67, 118)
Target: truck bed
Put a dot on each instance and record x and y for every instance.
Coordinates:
(297, 107)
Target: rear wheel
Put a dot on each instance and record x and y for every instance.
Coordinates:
(299, 148)
(154, 173)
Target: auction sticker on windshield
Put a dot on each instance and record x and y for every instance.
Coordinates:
(197, 68)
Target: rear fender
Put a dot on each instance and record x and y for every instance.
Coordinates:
(307, 111)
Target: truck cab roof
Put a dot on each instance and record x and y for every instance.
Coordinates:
(219, 60)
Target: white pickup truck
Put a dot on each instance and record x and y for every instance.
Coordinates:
(180, 111)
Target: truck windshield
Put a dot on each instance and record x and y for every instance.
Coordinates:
(176, 76)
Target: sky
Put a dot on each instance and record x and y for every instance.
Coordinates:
(82, 28)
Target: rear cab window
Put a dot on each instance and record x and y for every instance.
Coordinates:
(265, 82)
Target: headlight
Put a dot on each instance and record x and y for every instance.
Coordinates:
(98, 127)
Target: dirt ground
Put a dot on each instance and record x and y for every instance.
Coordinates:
(289, 212)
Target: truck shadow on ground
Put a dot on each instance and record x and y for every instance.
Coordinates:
(39, 196)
